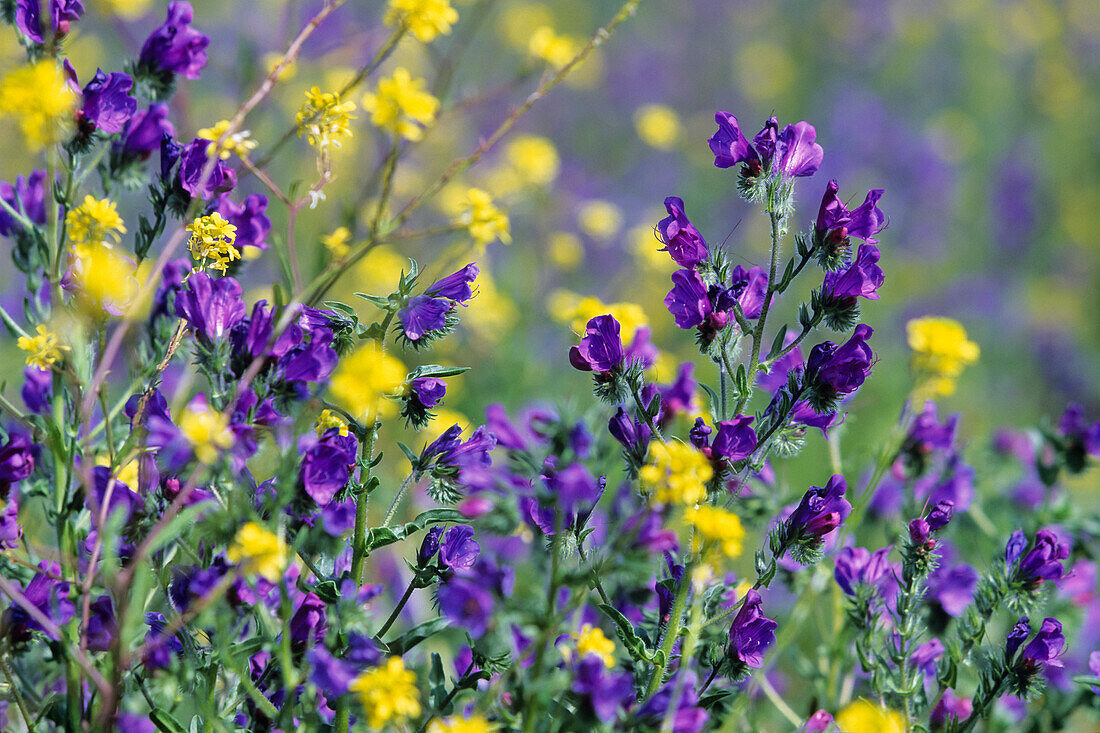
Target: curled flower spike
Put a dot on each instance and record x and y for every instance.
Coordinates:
(43, 350)
(239, 143)
(212, 240)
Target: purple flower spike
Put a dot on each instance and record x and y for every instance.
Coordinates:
(855, 565)
(250, 218)
(459, 549)
(456, 286)
(423, 315)
(836, 371)
(821, 511)
(62, 13)
(862, 278)
(145, 130)
(193, 161)
(211, 306)
(801, 154)
(467, 604)
(1042, 562)
(1045, 649)
(735, 439)
(107, 104)
(688, 301)
(749, 287)
(752, 632)
(730, 146)
(601, 349)
(176, 47)
(682, 240)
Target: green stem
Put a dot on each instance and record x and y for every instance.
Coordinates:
(672, 631)
(398, 608)
(645, 415)
(758, 333)
(397, 499)
(16, 694)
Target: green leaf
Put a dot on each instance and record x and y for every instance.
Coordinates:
(382, 536)
(417, 634)
(777, 342)
(344, 308)
(625, 630)
(165, 722)
(435, 370)
(327, 591)
(378, 300)
(715, 400)
(413, 458)
(437, 683)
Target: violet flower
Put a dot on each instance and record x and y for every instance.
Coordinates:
(752, 632)
(468, 605)
(175, 47)
(62, 12)
(1043, 561)
(821, 511)
(735, 439)
(211, 306)
(601, 349)
(857, 565)
(862, 278)
(144, 131)
(422, 315)
(682, 240)
(456, 286)
(28, 195)
(106, 103)
(193, 162)
(833, 371)
(429, 391)
(249, 217)
(835, 224)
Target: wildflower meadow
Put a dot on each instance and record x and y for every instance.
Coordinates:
(455, 366)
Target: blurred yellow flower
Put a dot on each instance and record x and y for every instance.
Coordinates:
(364, 381)
(591, 640)
(425, 19)
(492, 314)
(600, 219)
(43, 350)
(519, 20)
(575, 310)
(556, 50)
(565, 250)
(129, 9)
(239, 142)
(483, 219)
(658, 126)
(38, 98)
(401, 105)
(863, 716)
(473, 724)
(676, 473)
(329, 420)
(719, 526)
(338, 243)
(207, 430)
(260, 551)
(95, 220)
(534, 158)
(940, 352)
(104, 278)
(387, 692)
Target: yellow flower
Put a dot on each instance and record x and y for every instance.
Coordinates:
(207, 430)
(387, 692)
(600, 219)
(577, 311)
(365, 379)
(260, 551)
(658, 126)
(239, 142)
(484, 220)
(426, 19)
(555, 50)
(329, 420)
(212, 239)
(940, 352)
(104, 278)
(591, 640)
(337, 242)
(40, 100)
(718, 526)
(534, 158)
(473, 724)
(565, 250)
(492, 314)
(43, 350)
(863, 716)
(676, 473)
(401, 105)
(324, 119)
(94, 221)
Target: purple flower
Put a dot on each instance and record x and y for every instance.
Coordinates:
(940, 515)
(927, 434)
(326, 464)
(1045, 649)
(308, 624)
(605, 691)
(801, 155)
(27, 195)
(106, 101)
(839, 370)
(730, 146)
(429, 391)
(1082, 437)
(433, 538)
(630, 432)
(752, 632)
(819, 722)
(821, 511)
(211, 306)
(688, 301)
(682, 240)
(102, 626)
(144, 131)
(953, 588)
(950, 706)
(926, 655)
(331, 675)
(120, 499)
(863, 278)
(679, 397)
(601, 349)
(62, 13)
(252, 333)
(193, 162)
(855, 565)
(1016, 636)
(698, 435)
(17, 460)
(456, 286)
(467, 604)
(48, 596)
(735, 439)
(422, 315)
(176, 47)
(688, 717)
(459, 550)
(749, 287)
(1042, 562)
(835, 223)
(249, 217)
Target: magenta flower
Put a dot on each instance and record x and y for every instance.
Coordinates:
(835, 224)
(688, 301)
(682, 240)
(752, 632)
(601, 349)
(862, 278)
(175, 46)
(857, 565)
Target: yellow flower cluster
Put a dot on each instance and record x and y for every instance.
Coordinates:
(387, 692)
(570, 308)
(43, 350)
(260, 551)
(718, 526)
(591, 640)
(212, 239)
(324, 119)
(338, 243)
(658, 126)
(940, 352)
(401, 105)
(365, 379)
(425, 19)
(94, 221)
(38, 98)
(600, 219)
(103, 277)
(534, 159)
(239, 142)
(863, 716)
(207, 430)
(556, 50)
(473, 724)
(676, 473)
(483, 219)
(329, 420)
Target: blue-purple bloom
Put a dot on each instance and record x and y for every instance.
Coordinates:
(856, 565)
(422, 315)
(839, 370)
(467, 604)
(458, 550)
(682, 240)
(28, 195)
(28, 17)
(752, 632)
(835, 223)
(250, 218)
(106, 103)
(601, 349)
(175, 46)
(821, 511)
(791, 152)
(688, 301)
(862, 278)
(735, 439)
(326, 464)
(145, 130)
(193, 162)
(1045, 649)
(456, 286)
(1043, 561)
(48, 596)
(604, 690)
(429, 391)
(749, 287)
(211, 306)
